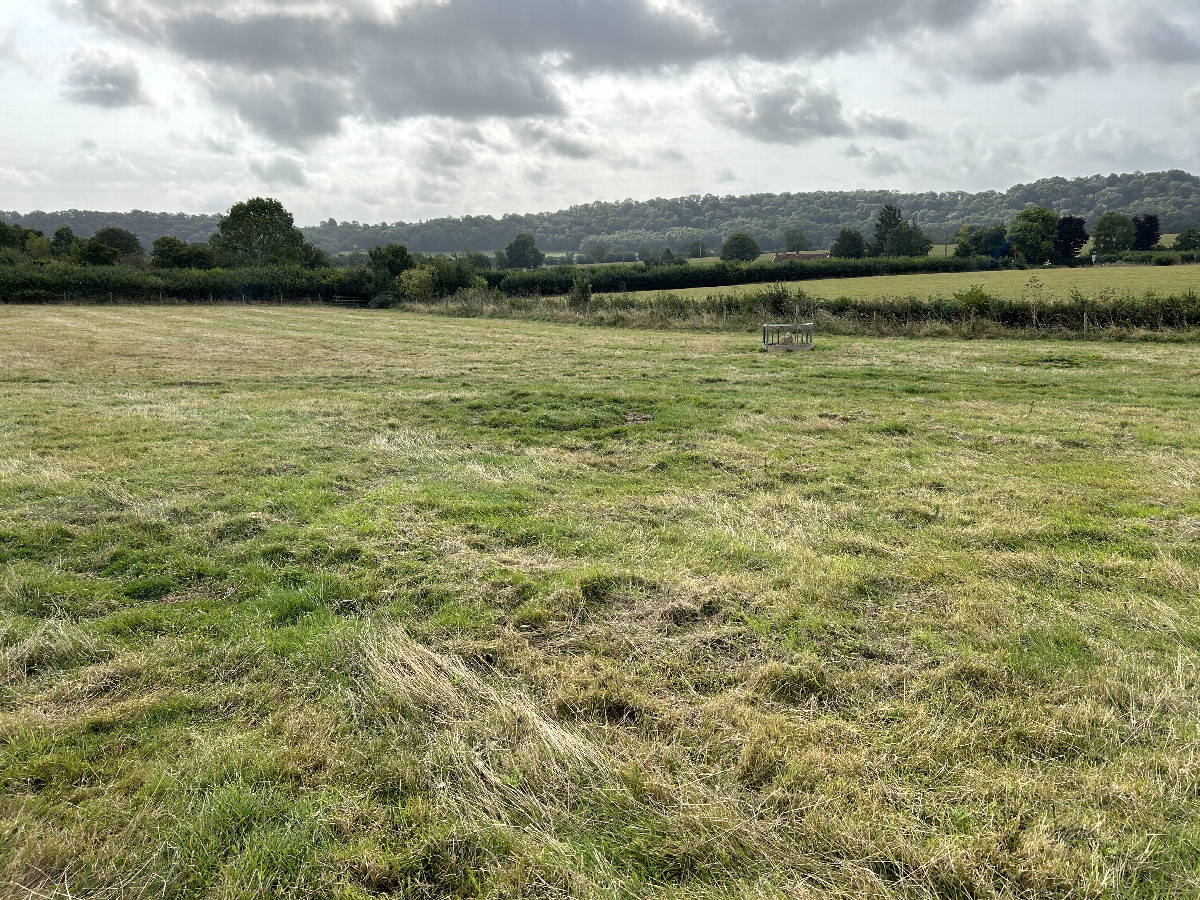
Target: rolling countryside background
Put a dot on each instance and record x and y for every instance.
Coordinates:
(1174, 196)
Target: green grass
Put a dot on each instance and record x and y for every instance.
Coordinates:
(315, 602)
(1012, 283)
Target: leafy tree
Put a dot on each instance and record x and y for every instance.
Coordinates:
(890, 218)
(37, 247)
(14, 236)
(695, 250)
(125, 242)
(501, 259)
(982, 240)
(63, 242)
(258, 232)
(1033, 234)
(1187, 240)
(1146, 231)
(169, 252)
(1113, 233)
(740, 247)
(386, 264)
(523, 252)
(906, 240)
(416, 284)
(93, 252)
(449, 276)
(479, 262)
(850, 244)
(1072, 235)
(795, 241)
(313, 257)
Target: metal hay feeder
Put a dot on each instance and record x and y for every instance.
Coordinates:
(788, 337)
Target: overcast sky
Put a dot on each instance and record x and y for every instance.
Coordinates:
(385, 110)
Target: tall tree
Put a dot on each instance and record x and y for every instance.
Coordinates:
(1146, 231)
(850, 244)
(14, 236)
(1186, 240)
(125, 242)
(982, 240)
(906, 239)
(258, 232)
(794, 241)
(1033, 234)
(523, 253)
(890, 218)
(63, 242)
(169, 252)
(95, 253)
(1113, 233)
(740, 247)
(386, 264)
(1072, 235)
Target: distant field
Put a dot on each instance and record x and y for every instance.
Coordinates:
(305, 602)
(1054, 283)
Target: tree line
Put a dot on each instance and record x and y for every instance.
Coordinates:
(622, 227)
(256, 252)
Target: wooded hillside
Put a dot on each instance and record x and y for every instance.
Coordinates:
(1174, 196)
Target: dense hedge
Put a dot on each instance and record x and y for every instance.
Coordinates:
(1076, 313)
(56, 281)
(618, 279)
(962, 311)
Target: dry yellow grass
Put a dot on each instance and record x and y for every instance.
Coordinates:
(316, 602)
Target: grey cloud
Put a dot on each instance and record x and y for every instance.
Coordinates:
(216, 145)
(1153, 38)
(782, 29)
(471, 59)
(725, 176)
(97, 79)
(574, 141)
(288, 108)
(280, 169)
(1033, 48)
(450, 152)
(1032, 90)
(789, 110)
(886, 124)
(263, 43)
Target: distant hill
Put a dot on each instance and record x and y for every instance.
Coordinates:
(146, 225)
(1174, 196)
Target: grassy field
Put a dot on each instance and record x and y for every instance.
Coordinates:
(1013, 283)
(311, 602)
